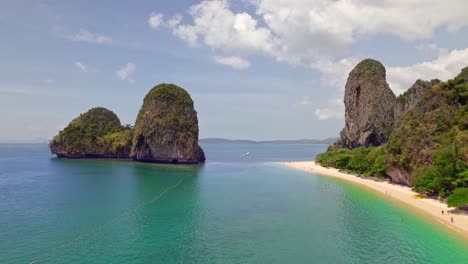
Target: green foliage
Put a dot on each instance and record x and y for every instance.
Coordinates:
(167, 110)
(96, 132)
(118, 143)
(459, 198)
(368, 161)
(449, 168)
(430, 142)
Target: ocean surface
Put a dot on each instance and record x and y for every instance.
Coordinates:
(233, 209)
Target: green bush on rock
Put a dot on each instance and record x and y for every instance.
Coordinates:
(96, 133)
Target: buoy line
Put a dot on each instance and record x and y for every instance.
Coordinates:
(108, 222)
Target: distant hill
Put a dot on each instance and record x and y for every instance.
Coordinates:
(244, 141)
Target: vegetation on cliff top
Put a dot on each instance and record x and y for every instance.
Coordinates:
(369, 66)
(166, 129)
(172, 104)
(97, 132)
(430, 142)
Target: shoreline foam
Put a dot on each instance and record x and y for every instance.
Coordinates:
(400, 193)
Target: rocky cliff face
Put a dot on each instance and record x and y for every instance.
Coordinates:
(94, 134)
(408, 101)
(166, 129)
(422, 135)
(369, 103)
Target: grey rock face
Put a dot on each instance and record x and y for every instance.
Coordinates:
(166, 130)
(399, 175)
(369, 102)
(408, 101)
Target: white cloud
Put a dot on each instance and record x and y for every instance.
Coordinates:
(216, 26)
(174, 21)
(334, 74)
(340, 22)
(446, 66)
(300, 31)
(155, 20)
(126, 71)
(82, 67)
(317, 33)
(333, 110)
(93, 38)
(237, 63)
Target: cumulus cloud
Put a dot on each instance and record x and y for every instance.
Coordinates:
(339, 22)
(317, 33)
(81, 66)
(333, 110)
(334, 74)
(216, 26)
(299, 31)
(234, 62)
(126, 71)
(446, 66)
(93, 38)
(155, 20)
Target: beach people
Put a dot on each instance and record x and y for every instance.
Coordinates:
(451, 219)
(442, 211)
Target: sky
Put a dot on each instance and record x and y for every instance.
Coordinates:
(256, 69)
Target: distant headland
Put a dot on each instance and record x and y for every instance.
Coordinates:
(166, 131)
(419, 138)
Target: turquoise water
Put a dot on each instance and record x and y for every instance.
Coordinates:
(234, 209)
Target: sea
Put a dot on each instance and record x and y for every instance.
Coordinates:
(236, 208)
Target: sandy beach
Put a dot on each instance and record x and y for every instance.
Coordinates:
(403, 194)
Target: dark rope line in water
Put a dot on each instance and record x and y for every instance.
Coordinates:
(108, 222)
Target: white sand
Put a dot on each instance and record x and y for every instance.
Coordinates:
(430, 207)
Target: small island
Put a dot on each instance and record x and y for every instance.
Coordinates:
(166, 131)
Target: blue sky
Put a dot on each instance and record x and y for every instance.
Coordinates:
(256, 69)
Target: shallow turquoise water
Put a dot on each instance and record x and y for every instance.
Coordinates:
(234, 209)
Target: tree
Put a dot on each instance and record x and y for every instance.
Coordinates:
(459, 198)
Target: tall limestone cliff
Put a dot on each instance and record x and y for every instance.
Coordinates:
(369, 103)
(166, 129)
(422, 138)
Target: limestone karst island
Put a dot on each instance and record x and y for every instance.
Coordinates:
(223, 131)
(166, 131)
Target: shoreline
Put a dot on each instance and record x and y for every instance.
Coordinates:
(400, 193)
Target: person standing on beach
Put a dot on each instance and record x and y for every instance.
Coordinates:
(451, 219)
(442, 212)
